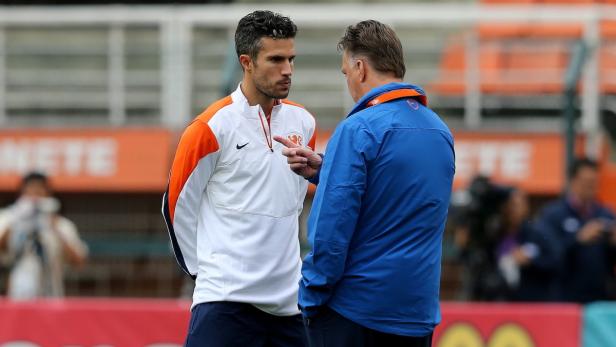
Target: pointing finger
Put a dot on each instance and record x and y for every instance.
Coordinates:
(286, 142)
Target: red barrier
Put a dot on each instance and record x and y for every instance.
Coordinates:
(90, 323)
(163, 323)
(501, 325)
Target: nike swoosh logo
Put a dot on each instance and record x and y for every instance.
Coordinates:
(242, 146)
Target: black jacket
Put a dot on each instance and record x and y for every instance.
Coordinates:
(584, 269)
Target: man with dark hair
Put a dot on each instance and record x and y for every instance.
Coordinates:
(36, 240)
(232, 205)
(585, 234)
(377, 220)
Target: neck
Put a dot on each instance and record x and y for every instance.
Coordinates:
(377, 80)
(578, 201)
(513, 226)
(255, 97)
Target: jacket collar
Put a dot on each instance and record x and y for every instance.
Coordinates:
(380, 90)
(247, 110)
(585, 211)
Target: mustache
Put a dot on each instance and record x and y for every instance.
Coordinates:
(286, 80)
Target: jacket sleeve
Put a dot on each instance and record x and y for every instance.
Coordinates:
(315, 179)
(194, 162)
(335, 212)
(544, 241)
(68, 231)
(312, 145)
(548, 223)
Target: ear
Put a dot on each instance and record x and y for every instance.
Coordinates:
(246, 62)
(361, 69)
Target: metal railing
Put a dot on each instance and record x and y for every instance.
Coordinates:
(125, 65)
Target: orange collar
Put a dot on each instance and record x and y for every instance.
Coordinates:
(398, 94)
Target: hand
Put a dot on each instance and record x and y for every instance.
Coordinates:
(520, 256)
(302, 160)
(23, 208)
(48, 205)
(591, 231)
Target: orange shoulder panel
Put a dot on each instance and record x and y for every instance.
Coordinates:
(196, 142)
(289, 102)
(209, 112)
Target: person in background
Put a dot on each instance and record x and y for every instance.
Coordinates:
(37, 241)
(585, 235)
(524, 255)
(475, 216)
(506, 257)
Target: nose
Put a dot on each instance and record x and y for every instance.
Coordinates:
(287, 69)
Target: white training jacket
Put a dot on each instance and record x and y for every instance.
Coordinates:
(232, 204)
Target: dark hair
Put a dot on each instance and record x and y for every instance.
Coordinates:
(260, 24)
(580, 163)
(35, 176)
(378, 43)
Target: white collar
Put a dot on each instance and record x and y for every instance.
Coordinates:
(239, 98)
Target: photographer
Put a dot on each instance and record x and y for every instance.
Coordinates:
(35, 241)
(476, 236)
(585, 233)
(506, 257)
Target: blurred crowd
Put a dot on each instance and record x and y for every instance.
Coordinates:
(562, 251)
(565, 252)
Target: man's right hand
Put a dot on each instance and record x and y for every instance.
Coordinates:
(591, 231)
(302, 160)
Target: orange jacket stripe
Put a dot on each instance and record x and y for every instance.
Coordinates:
(197, 141)
(215, 107)
(289, 102)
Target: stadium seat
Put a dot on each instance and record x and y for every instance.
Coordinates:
(552, 31)
(524, 59)
(508, 2)
(545, 2)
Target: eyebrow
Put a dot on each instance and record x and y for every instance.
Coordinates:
(280, 57)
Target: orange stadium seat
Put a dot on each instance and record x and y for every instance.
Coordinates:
(608, 68)
(516, 30)
(510, 66)
(454, 61)
(451, 77)
(534, 69)
(567, 2)
(608, 29)
(546, 2)
(508, 2)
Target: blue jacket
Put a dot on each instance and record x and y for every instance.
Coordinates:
(584, 269)
(377, 220)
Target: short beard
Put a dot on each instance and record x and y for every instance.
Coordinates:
(268, 94)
